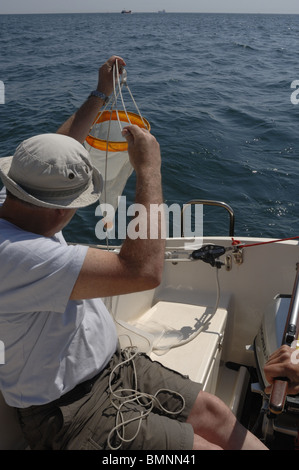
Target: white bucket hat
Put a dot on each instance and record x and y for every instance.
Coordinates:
(52, 170)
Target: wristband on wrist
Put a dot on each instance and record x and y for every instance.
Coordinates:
(101, 95)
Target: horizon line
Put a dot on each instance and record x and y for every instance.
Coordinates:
(148, 12)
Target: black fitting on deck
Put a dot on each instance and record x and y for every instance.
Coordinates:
(209, 254)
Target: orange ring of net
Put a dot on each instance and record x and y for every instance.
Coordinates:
(100, 144)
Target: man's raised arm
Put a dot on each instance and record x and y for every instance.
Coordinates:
(139, 265)
(80, 123)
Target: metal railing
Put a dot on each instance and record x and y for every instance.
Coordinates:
(211, 203)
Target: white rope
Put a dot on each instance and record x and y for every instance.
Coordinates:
(106, 172)
(120, 93)
(120, 86)
(115, 67)
(113, 102)
(117, 92)
(135, 104)
(133, 395)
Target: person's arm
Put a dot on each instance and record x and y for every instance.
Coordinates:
(283, 363)
(80, 123)
(139, 265)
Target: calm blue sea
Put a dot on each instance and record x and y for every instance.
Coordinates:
(215, 88)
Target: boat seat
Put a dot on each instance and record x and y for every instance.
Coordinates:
(168, 333)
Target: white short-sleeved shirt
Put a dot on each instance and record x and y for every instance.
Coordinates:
(51, 343)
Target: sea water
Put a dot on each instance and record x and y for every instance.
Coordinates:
(216, 89)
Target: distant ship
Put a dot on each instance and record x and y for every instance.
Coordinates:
(127, 11)
(162, 11)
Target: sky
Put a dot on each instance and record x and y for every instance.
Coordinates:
(205, 6)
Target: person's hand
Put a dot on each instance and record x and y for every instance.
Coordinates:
(105, 81)
(143, 149)
(283, 363)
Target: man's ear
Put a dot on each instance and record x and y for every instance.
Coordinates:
(60, 212)
(64, 214)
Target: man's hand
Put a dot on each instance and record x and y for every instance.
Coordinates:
(143, 149)
(105, 82)
(78, 125)
(283, 363)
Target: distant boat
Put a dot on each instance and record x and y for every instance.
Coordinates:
(127, 11)
(162, 11)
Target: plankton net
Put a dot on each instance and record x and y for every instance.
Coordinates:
(108, 149)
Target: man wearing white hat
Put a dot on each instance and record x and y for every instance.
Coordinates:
(62, 361)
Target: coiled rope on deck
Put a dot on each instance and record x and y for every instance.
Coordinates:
(123, 397)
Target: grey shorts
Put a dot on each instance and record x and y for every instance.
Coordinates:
(87, 418)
